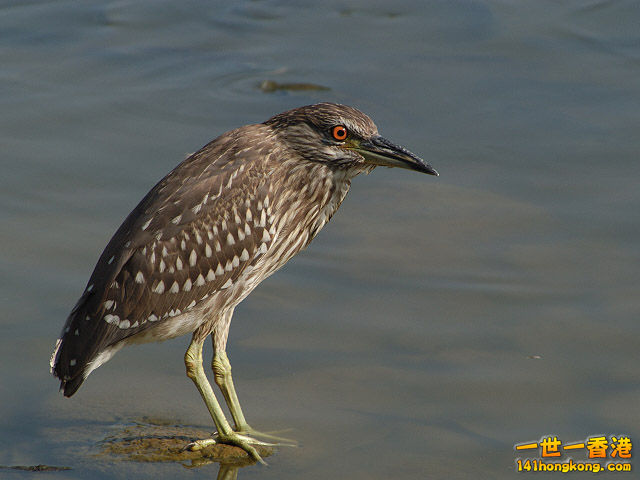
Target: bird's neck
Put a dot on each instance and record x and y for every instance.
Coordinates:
(306, 200)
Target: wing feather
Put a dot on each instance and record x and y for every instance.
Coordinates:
(183, 232)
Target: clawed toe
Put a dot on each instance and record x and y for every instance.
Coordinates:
(200, 444)
(240, 440)
(276, 439)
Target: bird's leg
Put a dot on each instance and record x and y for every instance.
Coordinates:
(222, 374)
(225, 434)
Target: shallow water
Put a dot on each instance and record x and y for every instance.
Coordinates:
(435, 322)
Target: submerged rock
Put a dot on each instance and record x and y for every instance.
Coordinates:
(269, 86)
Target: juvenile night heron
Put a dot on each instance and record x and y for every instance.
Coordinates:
(209, 232)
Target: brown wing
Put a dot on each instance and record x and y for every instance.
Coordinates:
(191, 236)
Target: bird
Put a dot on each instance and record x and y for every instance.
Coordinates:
(216, 226)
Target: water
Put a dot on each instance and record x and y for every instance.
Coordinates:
(434, 323)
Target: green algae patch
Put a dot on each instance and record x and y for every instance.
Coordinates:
(167, 443)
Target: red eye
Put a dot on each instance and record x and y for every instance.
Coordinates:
(339, 132)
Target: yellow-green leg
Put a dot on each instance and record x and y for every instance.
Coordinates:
(222, 374)
(225, 434)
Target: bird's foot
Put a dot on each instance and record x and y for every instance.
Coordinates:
(241, 440)
(271, 436)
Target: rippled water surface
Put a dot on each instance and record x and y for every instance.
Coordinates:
(435, 322)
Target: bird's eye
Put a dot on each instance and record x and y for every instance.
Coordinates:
(339, 132)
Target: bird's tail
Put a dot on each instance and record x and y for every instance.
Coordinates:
(73, 356)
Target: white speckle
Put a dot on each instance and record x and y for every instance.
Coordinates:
(135, 324)
(183, 245)
(67, 329)
(174, 288)
(229, 266)
(128, 244)
(227, 284)
(235, 262)
(207, 250)
(272, 230)
(164, 251)
(144, 250)
(197, 208)
(263, 219)
(200, 280)
(192, 304)
(241, 235)
(161, 266)
(176, 220)
(111, 318)
(72, 362)
(245, 255)
(172, 269)
(223, 225)
(266, 202)
(259, 204)
(198, 238)
(230, 240)
(89, 288)
(218, 246)
(236, 217)
(153, 318)
(187, 285)
(219, 270)
(124, 324)
(206, 197)
(152, 258)
(229, 182)
(87, 317)
(108, 304)
(146, 224)
(263, 248)
(248, 215)
(193, 258)
(139, 277)
(76, 332)
(159, 235)
(265, 236)
(215, 230)
(160, 287)
(206, 296)
(247, 229)
(110, 261)
(179, 263)
(211, 276)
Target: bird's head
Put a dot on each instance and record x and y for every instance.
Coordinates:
(343, 137)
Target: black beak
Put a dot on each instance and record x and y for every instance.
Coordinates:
(380, 151)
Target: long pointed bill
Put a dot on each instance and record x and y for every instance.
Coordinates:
(380, 151)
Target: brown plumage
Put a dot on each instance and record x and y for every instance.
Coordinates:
(222, 221)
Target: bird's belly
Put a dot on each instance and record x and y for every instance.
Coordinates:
(170, 328)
